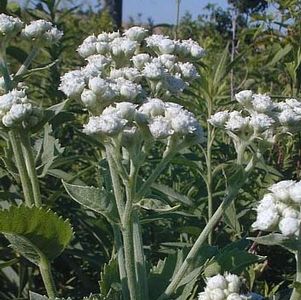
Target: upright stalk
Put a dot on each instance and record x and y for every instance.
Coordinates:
(46, 274)
(296, 294)
(139, 259)
(21, 166)
(232, 193)
(31, 168)
(121, 261)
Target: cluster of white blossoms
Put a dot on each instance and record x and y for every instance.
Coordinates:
(155, 118)
(221, 287)
(16, 110)
(129, 81)
(259, 118)
(39, 30)
(279, 210)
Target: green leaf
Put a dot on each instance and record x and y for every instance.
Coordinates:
(290, 243)
(35, 232)
(94, 198)
(231, 219)
(279, 55)
(156, 205)
(48, 150)
(109, 279)
(8, 263)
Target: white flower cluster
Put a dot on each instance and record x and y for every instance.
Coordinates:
(279, 210)
(16, 110)
(41, 30)
(260, 117)
(120, 68)
(157, 119)
(9, 26)
(221, 287)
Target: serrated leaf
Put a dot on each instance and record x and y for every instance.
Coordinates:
(109, 278)
(156, 205)
(35, 232)
(290, 243)
(93, 198)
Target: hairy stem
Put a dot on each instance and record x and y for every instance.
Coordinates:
(31, 168)
(139, 259)
(121, 261)
(296, 294)
(21, 166)
(46, 274)
(231, 195)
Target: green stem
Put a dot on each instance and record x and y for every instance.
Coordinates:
(296, 294)
(231, 195)
(31, 168)
(127, 233)
(28, 61)
(46, 274)
(5, 73)
(139, 259)
(121, 262)
(209, 177)
(115, 182)
(21, 166)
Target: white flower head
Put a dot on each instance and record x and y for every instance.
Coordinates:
(136, 33)
(9, 26)
(244, 97)
(188, 71)
(295, 192)
(99, 61)
(126, 110)
(123, 47)
(234, 296)
(72, 84)
(89, 98)
(261, 122)
(280, 190)
(267, 202)
(203, 296)
(167, 60)
(266, 220)
(109, 124)
(217, 282)
(175, 84)
(140, 60)
(289, 226)
(233, 283)
(152, 108)
(128, 89)
(36, 29)
(217, 294)
(189, 48)
(153, 71)
(236, 122)
(219, 119)
(88, 47)
(262, 103)
(53, 35)
(288, 117)
(160, 127)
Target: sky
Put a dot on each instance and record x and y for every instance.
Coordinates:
(164, 11)
(160, 11)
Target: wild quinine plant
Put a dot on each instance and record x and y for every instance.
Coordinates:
(33, 230)
(131, 86)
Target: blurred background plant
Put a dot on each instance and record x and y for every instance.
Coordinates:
(249, 45)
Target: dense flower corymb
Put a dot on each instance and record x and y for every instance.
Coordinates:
(279, 210)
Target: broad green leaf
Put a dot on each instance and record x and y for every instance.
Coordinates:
(35, 232)
(93, 198)
(156, 205)
(290, 243)
(109, 279)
